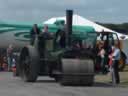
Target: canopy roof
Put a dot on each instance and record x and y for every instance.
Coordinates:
(81, 21)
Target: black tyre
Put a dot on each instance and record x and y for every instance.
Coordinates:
(29, 64)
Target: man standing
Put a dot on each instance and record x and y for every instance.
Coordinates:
(9, 57)
(44, 35)
(45, 32)
(116, 57)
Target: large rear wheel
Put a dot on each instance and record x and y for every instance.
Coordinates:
(29, 64)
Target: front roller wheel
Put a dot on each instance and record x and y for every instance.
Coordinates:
(29, 64)
(77, 72)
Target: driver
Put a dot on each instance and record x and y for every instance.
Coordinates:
(45, 33)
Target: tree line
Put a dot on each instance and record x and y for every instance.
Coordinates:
(121, 28)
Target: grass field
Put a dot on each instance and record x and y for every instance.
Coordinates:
(107, 78)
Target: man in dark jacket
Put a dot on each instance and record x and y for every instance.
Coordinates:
(34, 31)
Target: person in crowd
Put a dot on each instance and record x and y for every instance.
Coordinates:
(61, 37)
(2, 55)
(9, 56)
(45, 33)
(101, 55)
(111, 57)
(14, 66)
(111, 61)
(101, 49)
(75, 45)
(34, 31)
(5, 65)
(1, 60)
(45, 28)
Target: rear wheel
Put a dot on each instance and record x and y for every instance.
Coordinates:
(29, 64)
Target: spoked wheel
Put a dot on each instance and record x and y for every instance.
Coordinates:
(26, 67)
(29, 64)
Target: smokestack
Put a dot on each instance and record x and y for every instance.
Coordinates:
(69, 14)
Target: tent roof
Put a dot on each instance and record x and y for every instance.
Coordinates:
(81, 21)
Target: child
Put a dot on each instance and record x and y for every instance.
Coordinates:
(111, 61)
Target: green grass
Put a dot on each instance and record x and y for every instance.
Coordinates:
(107, 78)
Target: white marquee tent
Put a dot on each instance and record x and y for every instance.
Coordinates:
(79, 20)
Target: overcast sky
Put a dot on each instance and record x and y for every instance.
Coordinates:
(115, 11)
